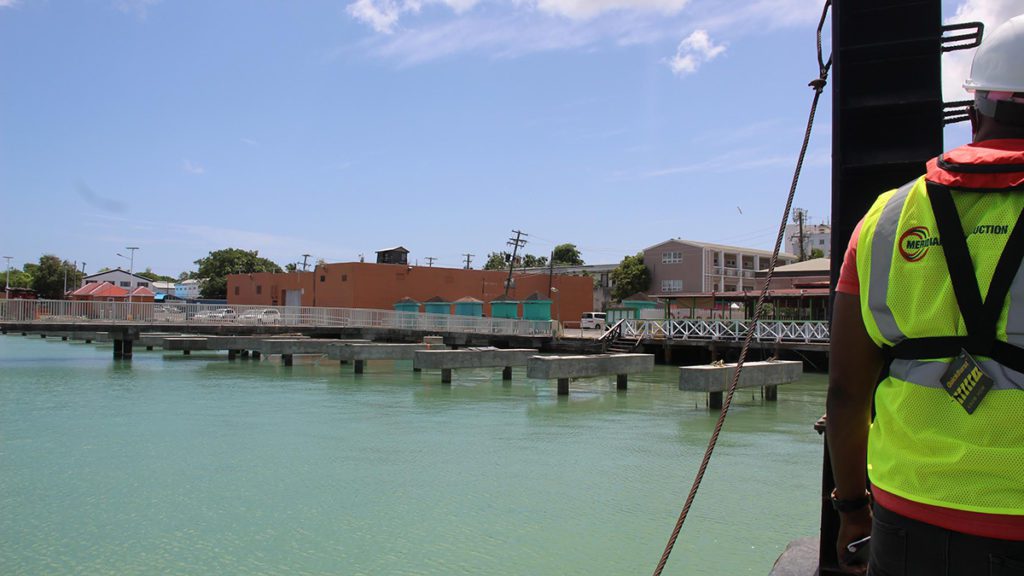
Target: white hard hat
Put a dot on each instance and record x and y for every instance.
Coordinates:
(998, 65)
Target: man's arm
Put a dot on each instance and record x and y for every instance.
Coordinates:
(854, 365)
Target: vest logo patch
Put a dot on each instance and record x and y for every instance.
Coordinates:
(991, 229)
(914, 243)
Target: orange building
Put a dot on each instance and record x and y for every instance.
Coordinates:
(380, 286)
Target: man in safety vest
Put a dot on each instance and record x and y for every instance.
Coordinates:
(930, 287)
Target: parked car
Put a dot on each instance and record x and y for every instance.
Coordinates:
(264, 316)
(168, 313)
(593, 320)
(218, 315)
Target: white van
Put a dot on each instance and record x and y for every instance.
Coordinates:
(593, 320)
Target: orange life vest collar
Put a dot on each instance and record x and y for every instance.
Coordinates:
(987, 165)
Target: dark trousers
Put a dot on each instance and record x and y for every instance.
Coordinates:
(904, 547)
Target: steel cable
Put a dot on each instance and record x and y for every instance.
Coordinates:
(818, 84)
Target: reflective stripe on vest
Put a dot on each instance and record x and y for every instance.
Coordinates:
(881, 243)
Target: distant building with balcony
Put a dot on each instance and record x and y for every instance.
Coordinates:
(816, 237)
(686, 266)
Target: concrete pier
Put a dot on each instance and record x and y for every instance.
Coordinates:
(446, 360)
(563, 368)
(360, 353)
(185, 343)
(716, 379)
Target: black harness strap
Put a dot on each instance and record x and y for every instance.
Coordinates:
(980, 317)
(961, 269)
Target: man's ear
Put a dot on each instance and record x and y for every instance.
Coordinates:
(973, 115)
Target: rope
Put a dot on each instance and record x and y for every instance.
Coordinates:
(818, 84)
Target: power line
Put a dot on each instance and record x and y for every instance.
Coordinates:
(469, 260)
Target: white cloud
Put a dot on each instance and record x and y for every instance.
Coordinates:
(956, 66)
(411, 34)
(192, 167)
(586, 9)
(8, 3)
(383, 15)
(694, 50)
(249, 142)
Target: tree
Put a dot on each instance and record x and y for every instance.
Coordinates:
(566, 255)
(49, 277)
(531, 261)
(817, 253)
(216, 267)
(291, 267)
(19, 278)
(497, 261)
(154, 277)
(630, 277)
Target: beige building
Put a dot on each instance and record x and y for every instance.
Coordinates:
(686, 267)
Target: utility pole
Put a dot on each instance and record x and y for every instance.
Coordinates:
(799, 214)
(516, 243)
(469, 259)
(551, 273)
(7, 285)
(430, 261)
(131, 268)
(305, 257)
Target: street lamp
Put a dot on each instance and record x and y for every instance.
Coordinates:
(131, 268)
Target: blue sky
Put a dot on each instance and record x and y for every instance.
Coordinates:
(336, 128)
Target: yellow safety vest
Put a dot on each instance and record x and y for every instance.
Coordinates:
(923, 445)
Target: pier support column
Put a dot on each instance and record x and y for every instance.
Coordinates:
(63, 338)
(149, 348)
(42, 335)
(244, 354)
(88, 341)
(563, 386)
(232, 354)
(506, 373)
(770, 393)
(256, 354)
(414, 369)
(186, 352)
(126, 349)
(620, 381)
(446, 375)
(286, 359)
(359, 366)
(118, 349)
(715, 400)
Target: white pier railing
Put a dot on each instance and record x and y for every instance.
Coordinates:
(185, 315)
(809, 332)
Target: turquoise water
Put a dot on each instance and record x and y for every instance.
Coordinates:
(195, 465)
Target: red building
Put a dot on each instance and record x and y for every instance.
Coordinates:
(380, 286)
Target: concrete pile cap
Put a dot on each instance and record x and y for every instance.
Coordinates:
(708, 378)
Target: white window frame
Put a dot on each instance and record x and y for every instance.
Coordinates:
(672, 257)
(671, 286)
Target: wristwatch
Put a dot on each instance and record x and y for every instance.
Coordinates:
(850, 505)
